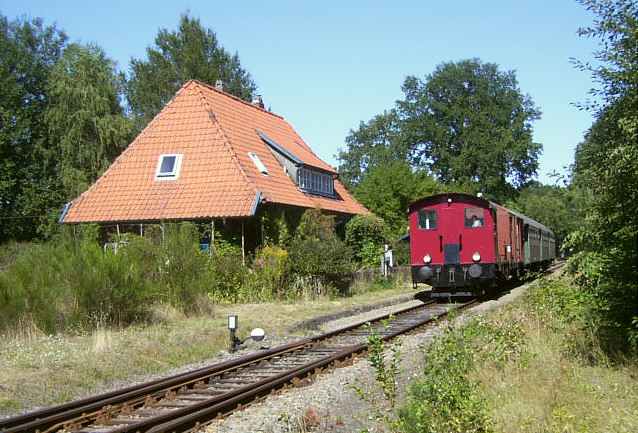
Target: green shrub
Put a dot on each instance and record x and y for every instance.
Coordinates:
(227, 277)
(316, 253)
(366, 235)
(72, 283)
(447, 397)
(272, 269)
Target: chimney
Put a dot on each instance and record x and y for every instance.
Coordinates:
(219, 84)
(257, 101)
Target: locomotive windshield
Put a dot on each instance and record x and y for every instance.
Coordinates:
(474, 217)
(427, 219)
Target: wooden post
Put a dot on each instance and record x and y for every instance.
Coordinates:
(118, 229)
(212, 234)
(243, 244)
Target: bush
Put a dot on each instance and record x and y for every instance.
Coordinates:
(317, 255)
(448, 398)
(272, 268)
(72, 282)
(366, 236)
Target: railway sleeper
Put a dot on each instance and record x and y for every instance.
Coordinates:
(120, 421)
(203, 391)
(150, 413)
(234, 380)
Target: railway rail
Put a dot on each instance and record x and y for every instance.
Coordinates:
(189, 400)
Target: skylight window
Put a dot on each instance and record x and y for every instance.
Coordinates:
(260, 166)
(168, 166)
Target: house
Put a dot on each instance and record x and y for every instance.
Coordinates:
(211, 158)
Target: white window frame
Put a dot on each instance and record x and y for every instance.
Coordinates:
(313, 181)
(169, 175)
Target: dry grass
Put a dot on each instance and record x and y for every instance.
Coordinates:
(39, 370)
(548, 389)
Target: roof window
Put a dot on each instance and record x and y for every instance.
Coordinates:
(168, 166)
(260, 166)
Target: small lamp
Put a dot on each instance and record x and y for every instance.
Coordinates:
(232, 323)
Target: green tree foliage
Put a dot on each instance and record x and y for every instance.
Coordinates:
(388, 189)
(191, 52)
(606, 170)
(466, 126)
(316, 252)
(87, 125)
(28, 51)
(469, 122)
(374, 144)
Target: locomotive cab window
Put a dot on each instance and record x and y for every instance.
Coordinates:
(427, 219)
(474, 217)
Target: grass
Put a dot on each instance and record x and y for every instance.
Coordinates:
(534, 365)
(549, 388)
(39, 370)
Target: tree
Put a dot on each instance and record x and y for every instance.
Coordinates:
(388, 189)
(374, 144)
(606, 172)
(85, 120)
(316, 252)
(366, 235)
(28, 51)
(192, 52)
(469, 122)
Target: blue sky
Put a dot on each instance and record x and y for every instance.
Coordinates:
(327, 65)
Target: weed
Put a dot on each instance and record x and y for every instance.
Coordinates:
(386, 369)
(446, 398)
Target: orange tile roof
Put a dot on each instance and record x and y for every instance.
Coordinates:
(213, 131)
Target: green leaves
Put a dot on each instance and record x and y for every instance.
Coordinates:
(606, 173)
(28, 51)
(191, 52)
(87, 125)
(466, 126)
(469, 122)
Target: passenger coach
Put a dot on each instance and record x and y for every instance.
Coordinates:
(461, 242)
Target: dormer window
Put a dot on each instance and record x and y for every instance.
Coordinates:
(315, 182)
(168, 166)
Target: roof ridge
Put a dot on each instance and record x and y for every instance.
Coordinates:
(229, 146)
(236, 98)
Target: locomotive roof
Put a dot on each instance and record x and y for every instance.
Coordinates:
(455, 196)
(479, 201)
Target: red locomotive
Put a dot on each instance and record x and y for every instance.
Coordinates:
(464, 243)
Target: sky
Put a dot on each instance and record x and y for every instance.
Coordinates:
(326, 66)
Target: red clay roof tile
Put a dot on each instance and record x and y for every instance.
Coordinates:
(213, 131)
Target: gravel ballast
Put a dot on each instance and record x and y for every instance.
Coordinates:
(331, 403)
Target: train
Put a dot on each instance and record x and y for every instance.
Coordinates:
(462, 244)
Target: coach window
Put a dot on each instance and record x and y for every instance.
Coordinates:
(427, 219)
(474, 217)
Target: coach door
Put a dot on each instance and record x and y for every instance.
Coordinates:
(451, 240)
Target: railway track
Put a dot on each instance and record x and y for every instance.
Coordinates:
(189, 400)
